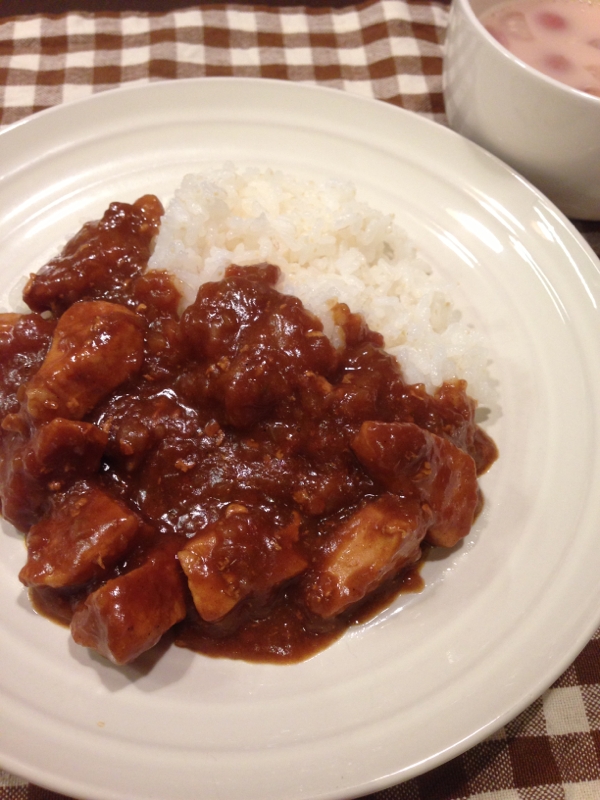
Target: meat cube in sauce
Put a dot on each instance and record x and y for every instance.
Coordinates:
(24, 342)
(24, 497)
(55, 454)
(264, 341)
(63, 449)
(130, 613)
(85, 532)
(238, 556)
(374, 543)
(100, 260)
(96, 346)
(449, 413)
(406, 458)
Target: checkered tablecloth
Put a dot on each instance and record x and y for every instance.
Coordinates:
(387, 49)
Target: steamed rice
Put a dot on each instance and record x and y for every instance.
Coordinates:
(331, 247)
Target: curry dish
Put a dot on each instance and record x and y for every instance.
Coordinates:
(223, 476)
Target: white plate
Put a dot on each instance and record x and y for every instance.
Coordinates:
(500, 618)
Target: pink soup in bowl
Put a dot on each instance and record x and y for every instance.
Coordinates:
(522, 79)
(560, 38)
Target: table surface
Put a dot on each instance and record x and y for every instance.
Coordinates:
(60, 50)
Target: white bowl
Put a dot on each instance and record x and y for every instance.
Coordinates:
(546, 130)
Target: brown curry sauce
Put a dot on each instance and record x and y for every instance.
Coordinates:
(224, 474)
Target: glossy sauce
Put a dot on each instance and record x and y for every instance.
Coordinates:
(225, 475)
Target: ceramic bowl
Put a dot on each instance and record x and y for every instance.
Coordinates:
(546, 130)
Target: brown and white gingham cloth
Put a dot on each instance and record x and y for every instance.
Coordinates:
(387, 49)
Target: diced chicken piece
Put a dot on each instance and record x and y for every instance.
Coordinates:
(453, 418)
(23, 497)
(65, 447)
(265, 340)
(403, 457)
(85, 532)
(213, 594)
(375, 543)
(103, 257)
(96, 346)
(238, 556)
(129, 614)
(57, 451)
(454, 495)
(24, 341)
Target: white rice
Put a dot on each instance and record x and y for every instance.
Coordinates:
(331, 247)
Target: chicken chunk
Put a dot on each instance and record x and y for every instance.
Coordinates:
(24, 342)
(100, 260)
(267, 340)
(23, 497)
(61, 450)
(129, 614)
(401, 455)
(236, 557)
(96, 346)
(375, 543)
(64, 447)
(85, 532)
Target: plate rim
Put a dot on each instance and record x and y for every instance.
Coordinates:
(576, 238)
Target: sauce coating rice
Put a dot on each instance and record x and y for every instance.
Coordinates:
(331, 247)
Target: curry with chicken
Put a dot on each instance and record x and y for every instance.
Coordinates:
(224, 476)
